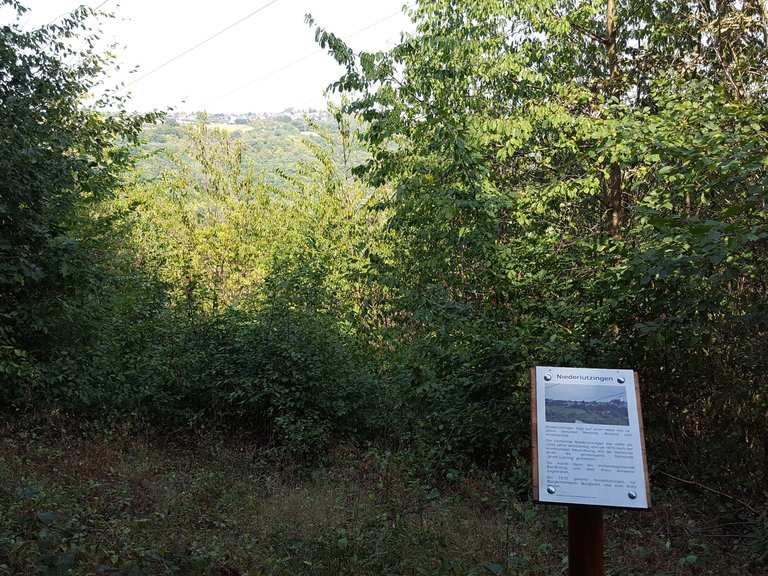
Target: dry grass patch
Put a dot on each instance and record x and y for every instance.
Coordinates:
(130, 504)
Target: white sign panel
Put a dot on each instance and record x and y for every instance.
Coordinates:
(588, 439)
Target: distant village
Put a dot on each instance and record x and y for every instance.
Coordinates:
(592, 405)
(250, 117)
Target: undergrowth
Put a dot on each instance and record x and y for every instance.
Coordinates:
(127, 503)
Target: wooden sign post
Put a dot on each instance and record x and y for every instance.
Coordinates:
(588, 452)
(585, 541)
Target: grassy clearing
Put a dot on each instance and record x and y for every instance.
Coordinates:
(230, 128)
(130, 504)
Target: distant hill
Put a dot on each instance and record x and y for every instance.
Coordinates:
(271, 141)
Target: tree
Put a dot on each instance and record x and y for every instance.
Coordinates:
(58, 158)
(589, 175)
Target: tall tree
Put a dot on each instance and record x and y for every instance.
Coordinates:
(58, 156)
(591, 174)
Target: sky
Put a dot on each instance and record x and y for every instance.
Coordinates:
(585, 392)
(267, 63)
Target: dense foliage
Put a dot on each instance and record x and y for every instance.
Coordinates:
(546, 182)
(58, 160)
(577, 183)
(271, 142)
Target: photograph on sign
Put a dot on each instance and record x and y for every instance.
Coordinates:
(575, 404)
(588, 438)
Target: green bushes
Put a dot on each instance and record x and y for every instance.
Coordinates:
(588, 199)
(456, 392)
(58, 161)
(288, 376)
(284, 373)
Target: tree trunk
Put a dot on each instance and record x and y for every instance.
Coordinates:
(613, 198)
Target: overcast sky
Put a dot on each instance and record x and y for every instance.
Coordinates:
(240, 70)
(585, 392)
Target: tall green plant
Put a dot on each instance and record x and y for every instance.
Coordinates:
(59, 157)
(575, 179)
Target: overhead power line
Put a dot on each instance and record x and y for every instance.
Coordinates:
(617, 395)
(201, 43)
(306, 56)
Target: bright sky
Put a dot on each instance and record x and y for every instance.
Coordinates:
(267, 63)
(585, 392)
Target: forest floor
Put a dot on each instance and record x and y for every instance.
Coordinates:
(130, 504)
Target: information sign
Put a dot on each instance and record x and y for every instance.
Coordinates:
(587, 431)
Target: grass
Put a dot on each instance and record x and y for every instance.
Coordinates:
(229, 128)
(126, 503)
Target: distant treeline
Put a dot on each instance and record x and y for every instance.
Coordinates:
(271, 142)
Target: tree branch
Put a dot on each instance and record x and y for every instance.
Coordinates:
(712, 490)
(596, 37)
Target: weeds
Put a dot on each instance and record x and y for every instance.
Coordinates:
(121, 504)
